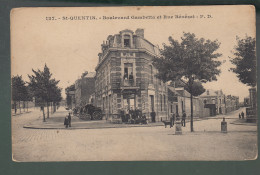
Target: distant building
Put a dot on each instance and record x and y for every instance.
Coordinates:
(251, 110)
(232, 103)
(246, 101)
(71, 102)
(84, 87)
(125, 76)
(179, 101)
(215, 101)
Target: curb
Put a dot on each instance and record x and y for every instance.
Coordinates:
(104, 127)
(245, 124)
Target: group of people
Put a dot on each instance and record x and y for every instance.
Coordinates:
(242, 115)
(132, 116)
(176, 117)
(67, 121)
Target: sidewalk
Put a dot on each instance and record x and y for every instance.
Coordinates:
(56, 121)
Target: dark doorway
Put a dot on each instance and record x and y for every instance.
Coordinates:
(152, 102)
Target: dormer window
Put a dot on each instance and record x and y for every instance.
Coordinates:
(126, 40)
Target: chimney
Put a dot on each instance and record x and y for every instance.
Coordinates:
(140, 32)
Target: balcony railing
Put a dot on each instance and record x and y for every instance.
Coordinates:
(127, 82)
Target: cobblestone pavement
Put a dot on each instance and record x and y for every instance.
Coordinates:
(142, 143)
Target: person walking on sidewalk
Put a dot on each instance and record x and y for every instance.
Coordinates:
(242, 114)
(183, 119)
(69, 119)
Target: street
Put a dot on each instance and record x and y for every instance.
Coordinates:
(133, 143)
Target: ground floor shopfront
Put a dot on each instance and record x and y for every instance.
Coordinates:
(133, 98)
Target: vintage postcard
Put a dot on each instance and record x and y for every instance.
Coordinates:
(134, 83)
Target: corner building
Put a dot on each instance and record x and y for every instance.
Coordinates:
(125, 76)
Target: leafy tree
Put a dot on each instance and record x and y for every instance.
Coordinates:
(190, 60)
(56, 97)
(42, 86)
(18, 91)
(245, 60)
(28, 96)
(197, 87)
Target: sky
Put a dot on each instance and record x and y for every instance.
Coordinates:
(71, 47)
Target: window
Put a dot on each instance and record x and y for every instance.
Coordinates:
(151, 72)
(128, 71)
(127, 41)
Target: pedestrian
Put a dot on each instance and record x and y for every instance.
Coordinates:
(127, 115)
(183, 119)
(153, 115)
(239, 115)
(122, 115)
(66, 122)
(144, 119)
(242, 114)
(69, 119)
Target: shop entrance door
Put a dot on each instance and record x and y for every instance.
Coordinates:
(129, 102)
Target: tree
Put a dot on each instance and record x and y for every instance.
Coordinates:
(42, 86)
(245, 60)
(190, 60)
(18, 91)
(27, 95)
(56, 97)
(197, 87)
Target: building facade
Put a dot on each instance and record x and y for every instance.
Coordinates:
(84, 87)
(232, 103)
(125, 76)
(71, 100)
(179, 101)
(215, 101)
